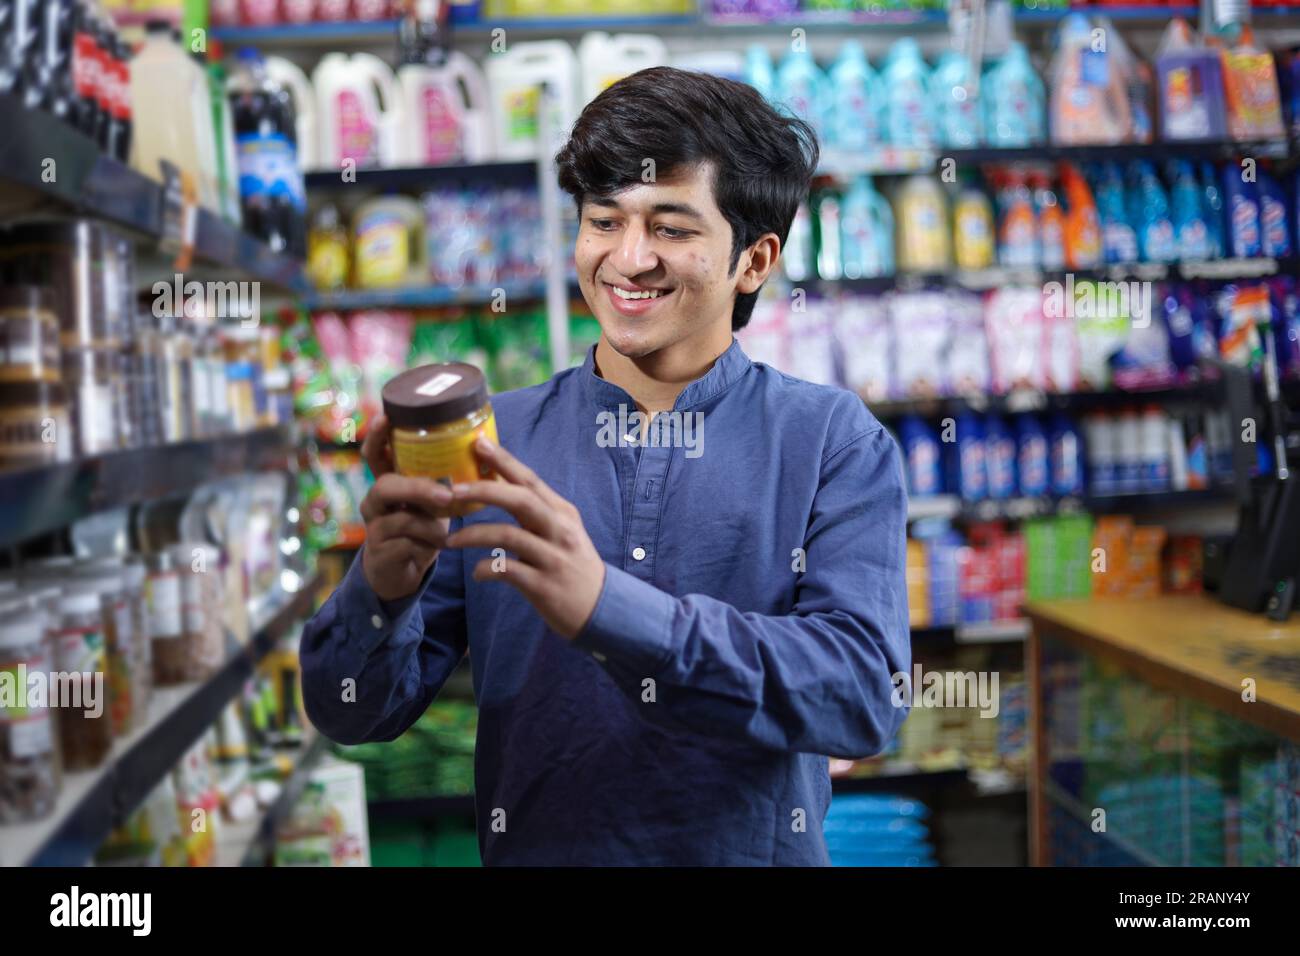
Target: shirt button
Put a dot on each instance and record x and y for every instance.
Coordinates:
(638, 554)
(598, 656)
(377, 621)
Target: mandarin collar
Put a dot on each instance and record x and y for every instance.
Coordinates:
(727, 368)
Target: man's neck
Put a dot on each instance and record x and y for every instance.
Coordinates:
(654, 381)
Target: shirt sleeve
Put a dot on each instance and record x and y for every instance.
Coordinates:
(370, 668)
(818, 680)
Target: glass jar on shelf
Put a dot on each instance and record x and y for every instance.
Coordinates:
(85, 724)
(29, 761)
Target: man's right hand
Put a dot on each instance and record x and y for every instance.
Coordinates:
(405, 521)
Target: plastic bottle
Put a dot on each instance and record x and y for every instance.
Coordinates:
(1212, 206)
(801, 89)
(604, 59)
(223, 125)
(1190, 83)
(328, 263)
(973, 230)
(855, 100)
(386, 242)
(1191, 236)
(1066, 451)
(271, 187)
(1082, 227)
(972, 473)
(1032, 466)
(1015, 99)
(1254, 110)
(1241, 207)
(1051, 223)
(1102, 451)
(999, 458)
(909, 117)
(1274, 230)
(921, 451)
(759, 72)
(295, 83)
(1089, 103)
(514, 77)
(923, 230)
(1155, 449)
(1128, 458)
(358, 111)
(1149, 212)
(826, 234)
(797, 256)
(959, 114)
(1119, 240)
(1018, 233)
(866, 232)
(446, 111)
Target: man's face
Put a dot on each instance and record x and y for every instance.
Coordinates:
(667, 238)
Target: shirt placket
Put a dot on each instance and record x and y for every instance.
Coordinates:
(641, 544)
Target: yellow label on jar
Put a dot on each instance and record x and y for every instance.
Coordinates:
(445, 456)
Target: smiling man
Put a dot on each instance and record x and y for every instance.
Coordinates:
(675, 642)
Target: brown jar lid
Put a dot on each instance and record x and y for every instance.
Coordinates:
(29, 394)
(34, 297)
(433, 395)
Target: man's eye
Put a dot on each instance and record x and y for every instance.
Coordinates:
(670, 233)
(602, 224)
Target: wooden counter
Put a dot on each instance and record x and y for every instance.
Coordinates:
(1192, 645)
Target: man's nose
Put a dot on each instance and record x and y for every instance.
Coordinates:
(635, 253)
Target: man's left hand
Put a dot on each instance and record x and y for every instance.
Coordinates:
(553, 563)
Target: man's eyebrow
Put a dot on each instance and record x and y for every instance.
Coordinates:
(677, 208)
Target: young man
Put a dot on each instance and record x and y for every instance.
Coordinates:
(682, 629)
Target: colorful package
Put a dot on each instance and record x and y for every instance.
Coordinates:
(1013, 320)
(921, 333)
(863, 332)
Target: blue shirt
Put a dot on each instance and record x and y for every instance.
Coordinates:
(753, 615)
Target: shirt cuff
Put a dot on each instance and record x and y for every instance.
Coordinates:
(372, 618)
(632, 622)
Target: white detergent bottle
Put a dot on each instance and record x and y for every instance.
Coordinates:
(358, 111)
(447, 112)
(304, 108)
(163, 116)
(605, 59)
(515, 77)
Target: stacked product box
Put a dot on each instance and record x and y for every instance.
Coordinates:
(1058, 552)
(992, 574)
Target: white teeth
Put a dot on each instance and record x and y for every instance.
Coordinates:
(624, 294)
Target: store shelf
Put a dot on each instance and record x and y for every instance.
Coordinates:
(92, 802)
(987, 632)
(1085, 815)
(85, 182)
(1122, 152)
(1037, 400)
(521, 173)
(1016, 509)
(348, 34)
(43, 499)
(423, 297)
(251, 842)
(902, 778)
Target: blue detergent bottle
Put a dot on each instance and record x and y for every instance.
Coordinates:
(960, 118)
(759, 72)
(1032, 457)
(855, 101)
(972, 477)
(921, 452)
(999, 458)
(1191, 237)
(866, 232)
(1241, 214)
(1212, 210)
(1066, 452)
(1118, 237)
(801, 89)
(1149, 212)
(1015, 104)
(1274, 230)
(909, 118)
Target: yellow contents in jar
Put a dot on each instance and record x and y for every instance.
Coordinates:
(436, 414)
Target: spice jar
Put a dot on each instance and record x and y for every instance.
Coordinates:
(119, 642)
(29, 335)
(170, 649)
(68, 257)
(199, 566)
(29, 766)
(85, 726)
(35, 426)
(436, 413)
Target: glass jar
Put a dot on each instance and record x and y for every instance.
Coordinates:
(134, 576)
(176, 381)
(120, 640)
(29, 335)
(170, 650)
(35, 425)
(199, 566)
(85, 725)
(437, 412)
(92, 378)
(29, 765)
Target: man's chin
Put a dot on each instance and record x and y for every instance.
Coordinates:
(631, 345)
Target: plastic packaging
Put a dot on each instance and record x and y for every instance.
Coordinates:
(1191, 236)
(1089, 102)
(973, 228)
(1190, 82)
(959, 114)
(923, 230)
(302, 96)
(909, 117)
(386, 243)
(1119, 239)
(446, 112)
(856, 95)
(1014, 98)
(514, 76)
(358, 111)
(802, 90)
(1082, 225)
(1274, 230)
(1254, 109)
(1241, 207)
(1018, 233)
(1051, 223)
(999, 458)
(1149, 212)
(866, 232)
(921, 452)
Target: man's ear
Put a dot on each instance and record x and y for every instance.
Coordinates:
(757, 262)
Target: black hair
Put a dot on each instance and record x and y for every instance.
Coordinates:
(763, 161)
